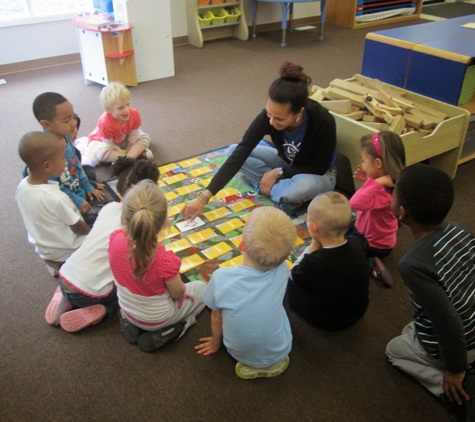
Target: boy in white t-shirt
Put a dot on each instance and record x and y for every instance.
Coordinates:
(248, 314)
(54, 224)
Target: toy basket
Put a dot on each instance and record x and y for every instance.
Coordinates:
(232, 14)
(205, 18)
(203, 3)
(219, 16)
(217, 1)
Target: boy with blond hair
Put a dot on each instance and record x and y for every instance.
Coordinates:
(246, 301)
(54, 224)
(329, 282)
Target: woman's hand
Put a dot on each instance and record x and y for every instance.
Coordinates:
(360, 174)
(194, 207)
(267, 181)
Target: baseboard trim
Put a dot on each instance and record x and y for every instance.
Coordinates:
(25, 66)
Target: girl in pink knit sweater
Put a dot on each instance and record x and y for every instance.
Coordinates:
(383, 157)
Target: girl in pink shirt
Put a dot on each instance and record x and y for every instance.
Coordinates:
(156, 305)
(383, 157)
(118, 130)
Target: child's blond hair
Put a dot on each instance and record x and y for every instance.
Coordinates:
(331, 212)
(269, 236)
(113, 92)
(144, 211)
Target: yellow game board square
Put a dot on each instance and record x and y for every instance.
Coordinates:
(217, 213)
(167, 168)
(224, 193)
(188, 163)
(175, 209)
(187, 189)
(241, 205)
(170, 196)
(167, 233)
(201, 236)
(174, 179)
(178, 245)
(190, 262)
(298, 242)
(216, 250)
(200, 171)
(238, 260)
(236, 240)
(230, 225)
(206, 182)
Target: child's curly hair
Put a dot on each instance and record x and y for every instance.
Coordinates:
(130, 171)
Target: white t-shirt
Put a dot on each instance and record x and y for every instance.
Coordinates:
(88, 269)
(47, 214)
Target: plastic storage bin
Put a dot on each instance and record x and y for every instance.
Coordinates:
(205, 17)
(203, 2)
(217, 1)
(232, 14)
(219, 16)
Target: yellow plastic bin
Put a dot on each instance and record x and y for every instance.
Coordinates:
(205, 17)
(219, 16)
(232, 14)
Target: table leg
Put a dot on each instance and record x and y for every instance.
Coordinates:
(323, 9)
(254, 18)
(284, 23)
(291, 15)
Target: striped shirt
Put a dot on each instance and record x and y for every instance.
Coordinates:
(440, 272)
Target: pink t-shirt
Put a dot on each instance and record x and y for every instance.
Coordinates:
(145, 300)
(375, 219)
(108, 128)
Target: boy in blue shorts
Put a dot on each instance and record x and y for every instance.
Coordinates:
(56, 115)
(439, 268)
(247, 301)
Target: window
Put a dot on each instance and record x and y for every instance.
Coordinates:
(19, 12)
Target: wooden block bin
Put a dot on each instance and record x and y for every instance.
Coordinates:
(442, 147)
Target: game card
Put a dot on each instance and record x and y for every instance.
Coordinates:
(178, 245)
(217, 213)
(167, 233)
(188, 163)
(170, 196)
(191, 262)
(238, 260)
(236, 240)
(245, 217)
(200, 171)
(206, 182)
(175, 209)
(184, 190)
(184, 226)
(174, 179)
(223, 193)
(201, 236)
(241, 205)
(216, 250)
(230, 225)
(167, 168)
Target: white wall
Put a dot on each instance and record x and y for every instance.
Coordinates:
(41, 40)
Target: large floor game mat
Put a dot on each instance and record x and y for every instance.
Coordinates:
(213, 244)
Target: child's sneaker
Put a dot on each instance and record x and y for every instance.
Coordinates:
(154, 340)
(129, 331)
(381, 273)
(291, 209)
(79, 319)
(57, 306)
(249, 372)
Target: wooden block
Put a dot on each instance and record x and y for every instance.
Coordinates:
(428, 121)
(386, 98)
(317, 95)
(377, 126)
(428, 110)
(341, 94)
(412, 120)
(337, 106)
(424, 132)
(354, 87)
(372, 105)
(397, 125)
(371, 118)
(355, 115)
(403, 103)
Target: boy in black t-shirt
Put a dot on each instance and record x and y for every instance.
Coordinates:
(329, 283)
